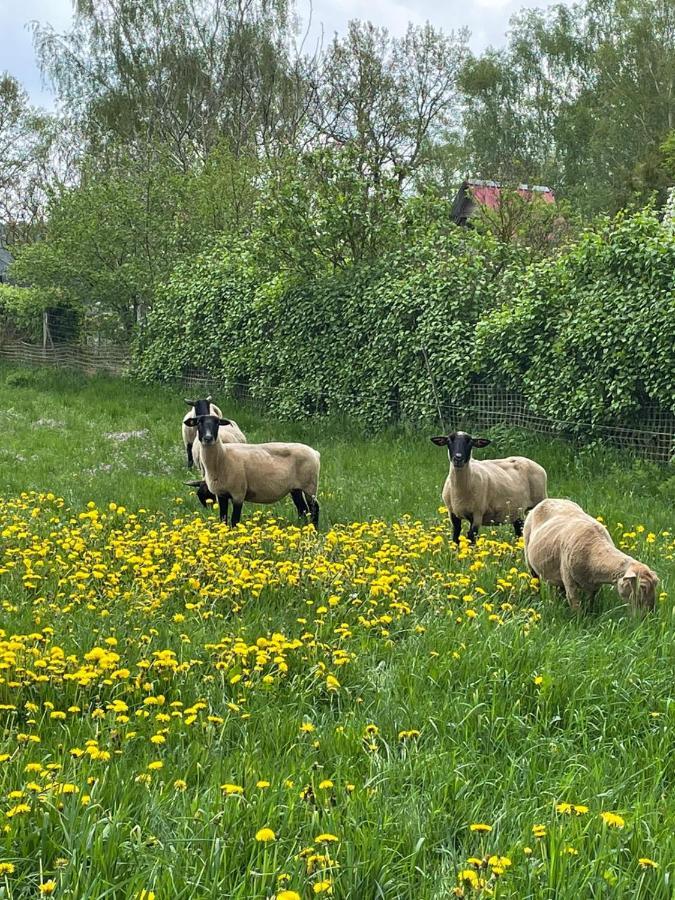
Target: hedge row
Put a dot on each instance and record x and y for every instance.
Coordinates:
(586, 335)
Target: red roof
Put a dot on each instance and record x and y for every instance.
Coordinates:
(488, 193)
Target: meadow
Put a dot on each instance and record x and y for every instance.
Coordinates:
(190, 711)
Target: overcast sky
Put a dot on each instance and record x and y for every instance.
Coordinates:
(487, 20)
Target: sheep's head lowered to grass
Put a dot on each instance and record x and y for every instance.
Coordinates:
(637, 586)
(460, 444)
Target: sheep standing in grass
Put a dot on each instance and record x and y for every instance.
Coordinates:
(490, 491)
(259, 473)
(572, 550)
(232, 434)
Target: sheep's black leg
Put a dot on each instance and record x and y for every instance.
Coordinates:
(223, 501)
(300, 503)
(190, 458)
(204, 494)
(236, 513)
(456, 527)
(473, 531)
(313, 504)
(518, 527)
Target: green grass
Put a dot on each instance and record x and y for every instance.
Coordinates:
(421, 652)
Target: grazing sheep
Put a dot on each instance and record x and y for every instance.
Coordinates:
(569, 548)
(259, 473)
(490, 491)
(232, 434)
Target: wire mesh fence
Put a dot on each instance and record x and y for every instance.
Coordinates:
(652, 436)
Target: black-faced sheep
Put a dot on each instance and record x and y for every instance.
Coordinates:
(231, 434)
(572, 550)
(259, 473)
(490, 491)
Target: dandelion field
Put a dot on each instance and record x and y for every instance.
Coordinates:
(190, 711)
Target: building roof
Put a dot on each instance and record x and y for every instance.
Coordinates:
(5, 259)
(488, 193)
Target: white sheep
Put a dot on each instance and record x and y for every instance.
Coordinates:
(489, 491)
(572, 550)
(259, 473)
(232, 434)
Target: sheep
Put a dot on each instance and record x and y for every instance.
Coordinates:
(233, 434)
(572, 550)
(490, 491)
(259, 473)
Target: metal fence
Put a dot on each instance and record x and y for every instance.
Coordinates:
(485, 406)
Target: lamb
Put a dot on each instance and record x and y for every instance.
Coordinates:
(572, 550)
(490, 491)
(259, 473)
(233, 434)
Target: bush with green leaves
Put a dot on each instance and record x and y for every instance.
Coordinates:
(357, 341)
(589, 335)
(586, 335)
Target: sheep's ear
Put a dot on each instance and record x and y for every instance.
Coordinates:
(630, 575)
(480, 442)
(189, 402)
(209, 398)
(440, 440)
(191, 422)
(224, 422)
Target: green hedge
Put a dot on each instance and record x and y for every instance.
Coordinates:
(585, 335)
(589, 335)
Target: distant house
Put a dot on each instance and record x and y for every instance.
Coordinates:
(474, 193)
(5, 260)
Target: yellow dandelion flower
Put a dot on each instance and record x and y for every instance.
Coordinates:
(469, 876)
(613, 820)
(480, 827)
(323, 887)
(47, 887)
(7, 868)
(326, 838)
(265, 835)
(288, 895)
(179, 784)
(647, 863)
(326, 784)
(229, 789)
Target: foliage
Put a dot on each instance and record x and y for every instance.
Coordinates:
(588, 335)
(34, 159)
(176, 73)
(580, 99)
(394, 320)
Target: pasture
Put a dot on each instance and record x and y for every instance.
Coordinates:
(190, 711)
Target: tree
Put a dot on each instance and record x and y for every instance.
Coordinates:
(184, 75)
(389, 98)
(33, 159)
(581, 99)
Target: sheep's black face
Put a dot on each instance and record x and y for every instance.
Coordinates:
(459, 444)
(201, 407)
(207, 427)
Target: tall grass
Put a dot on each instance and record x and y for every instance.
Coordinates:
(462, 695)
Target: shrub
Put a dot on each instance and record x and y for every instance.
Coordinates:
(589, 335)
